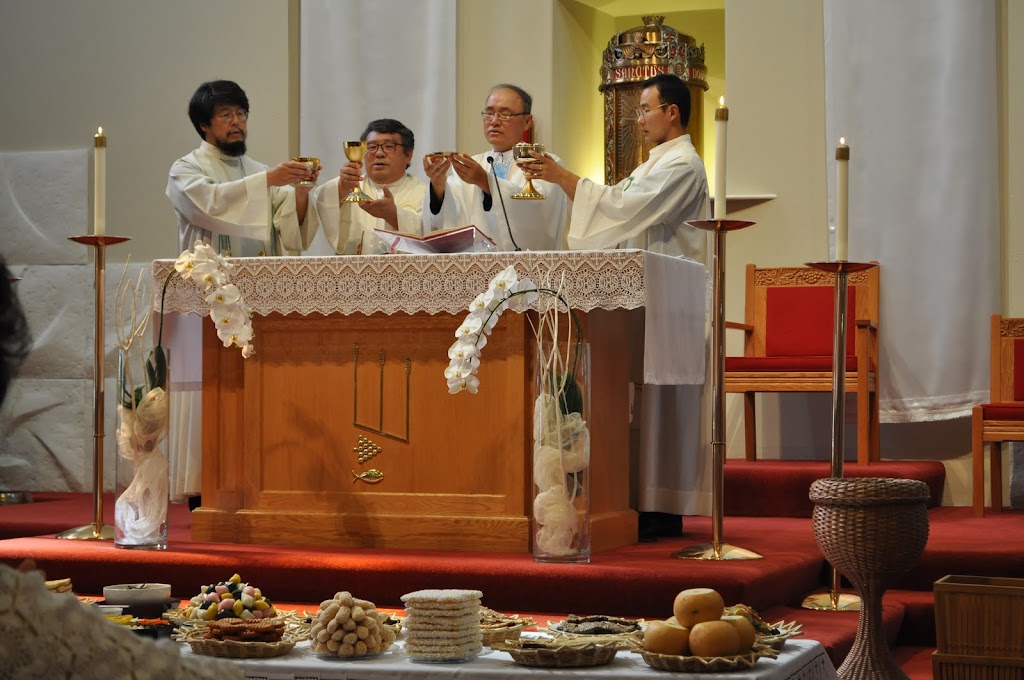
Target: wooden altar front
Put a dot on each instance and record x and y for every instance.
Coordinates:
(348, 376)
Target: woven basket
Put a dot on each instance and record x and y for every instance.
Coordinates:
(786, 631)
(702, 664)
(231, 649)
(493, 636)
(551, 655)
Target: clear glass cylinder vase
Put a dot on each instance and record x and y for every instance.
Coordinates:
(561, 452)
(142, 486)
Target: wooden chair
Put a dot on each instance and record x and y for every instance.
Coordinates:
(1002, 419)
(789, 329)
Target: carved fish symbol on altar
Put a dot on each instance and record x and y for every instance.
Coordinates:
(371, 476)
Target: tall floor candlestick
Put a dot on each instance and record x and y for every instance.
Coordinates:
(717, 549)
(97, 531)
(835, 599)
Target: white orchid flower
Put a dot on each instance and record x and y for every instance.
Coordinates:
(486, 301)
(526, 295)
(471, 326)
(248, 351)
(225, 293)
(227, 315)
(215, 278)
(469, 383)
(463, 350)
(505, 279)
(460, 371)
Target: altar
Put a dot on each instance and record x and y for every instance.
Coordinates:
(340, 429)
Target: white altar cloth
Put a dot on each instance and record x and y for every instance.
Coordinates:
(799, 660)
(672, 291)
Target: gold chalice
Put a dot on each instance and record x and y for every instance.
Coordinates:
(311, 163)
(356, 152)
(521, 154)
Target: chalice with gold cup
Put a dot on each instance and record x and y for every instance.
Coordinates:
(356, 152)
(521, 154)
(311, 163)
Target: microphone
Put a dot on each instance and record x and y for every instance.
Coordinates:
(497, 185)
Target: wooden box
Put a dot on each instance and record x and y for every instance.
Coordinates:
(960, 667)
(980, 616)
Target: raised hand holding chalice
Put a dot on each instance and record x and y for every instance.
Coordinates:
(521, 154)
(356, 152)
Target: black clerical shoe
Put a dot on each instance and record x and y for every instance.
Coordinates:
(194, 502)
(654, 525)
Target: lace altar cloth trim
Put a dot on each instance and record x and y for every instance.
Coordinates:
(389, 284)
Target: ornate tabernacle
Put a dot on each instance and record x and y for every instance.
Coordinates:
(340, 430)
(632, 57)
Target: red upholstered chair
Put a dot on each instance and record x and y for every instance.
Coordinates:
(1002, 419)
(788, 339)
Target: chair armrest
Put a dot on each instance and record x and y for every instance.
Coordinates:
(736, 325)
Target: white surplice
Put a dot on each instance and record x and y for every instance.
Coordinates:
(223, 201)
(648, 210)
(349, 228)
(217, 195)
(534, 224)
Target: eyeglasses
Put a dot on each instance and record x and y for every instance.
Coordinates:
(643, 113)
(228, 116)
(503, 117)
(388, 147)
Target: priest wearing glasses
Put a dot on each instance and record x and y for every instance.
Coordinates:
(649, 210)
(397, 196)
(478, 189)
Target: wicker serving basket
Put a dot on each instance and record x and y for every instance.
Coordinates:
(493, 636)
(701, 664)
(232, 649)
(551, 654)
(786, 631)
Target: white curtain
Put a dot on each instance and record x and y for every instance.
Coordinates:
(911, 85)
(368, 59)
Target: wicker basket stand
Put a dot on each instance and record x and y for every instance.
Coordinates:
(872, 530)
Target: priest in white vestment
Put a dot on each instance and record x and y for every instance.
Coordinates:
(398, 197)
(478, 189)
(239, 206)
(649, 210)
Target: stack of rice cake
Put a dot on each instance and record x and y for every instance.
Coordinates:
(443, 625)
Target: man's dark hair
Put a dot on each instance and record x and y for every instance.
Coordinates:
(15, 341)
(390, 126)
(523, 94)
(672, 90)
(208, 95)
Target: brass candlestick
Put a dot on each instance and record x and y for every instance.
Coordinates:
(835, 600)
(97, 531)
(717, 550)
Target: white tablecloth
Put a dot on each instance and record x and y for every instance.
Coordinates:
(671, 290)
(799, 660)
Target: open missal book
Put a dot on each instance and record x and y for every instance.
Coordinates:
(458, 240)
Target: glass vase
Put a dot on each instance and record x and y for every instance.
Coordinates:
(142, 489)
(561, 453)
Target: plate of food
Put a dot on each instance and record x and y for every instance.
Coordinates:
(600, 628)
(560, 652)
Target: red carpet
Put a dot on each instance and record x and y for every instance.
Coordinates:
(638, 580)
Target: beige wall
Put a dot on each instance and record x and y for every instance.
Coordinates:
(131, 66)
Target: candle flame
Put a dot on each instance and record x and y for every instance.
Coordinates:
(99, 131)
(842, 140)
(721, 101)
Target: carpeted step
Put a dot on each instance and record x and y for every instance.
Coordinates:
(779, 488)
(918, 628)
(916, 662)
(837, 630)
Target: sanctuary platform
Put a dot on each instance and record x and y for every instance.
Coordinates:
(638, 580)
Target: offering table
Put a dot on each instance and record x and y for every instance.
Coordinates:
(348, 382)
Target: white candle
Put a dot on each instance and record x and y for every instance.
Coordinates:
(99, 174)
(721, 118)
(842, 198)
